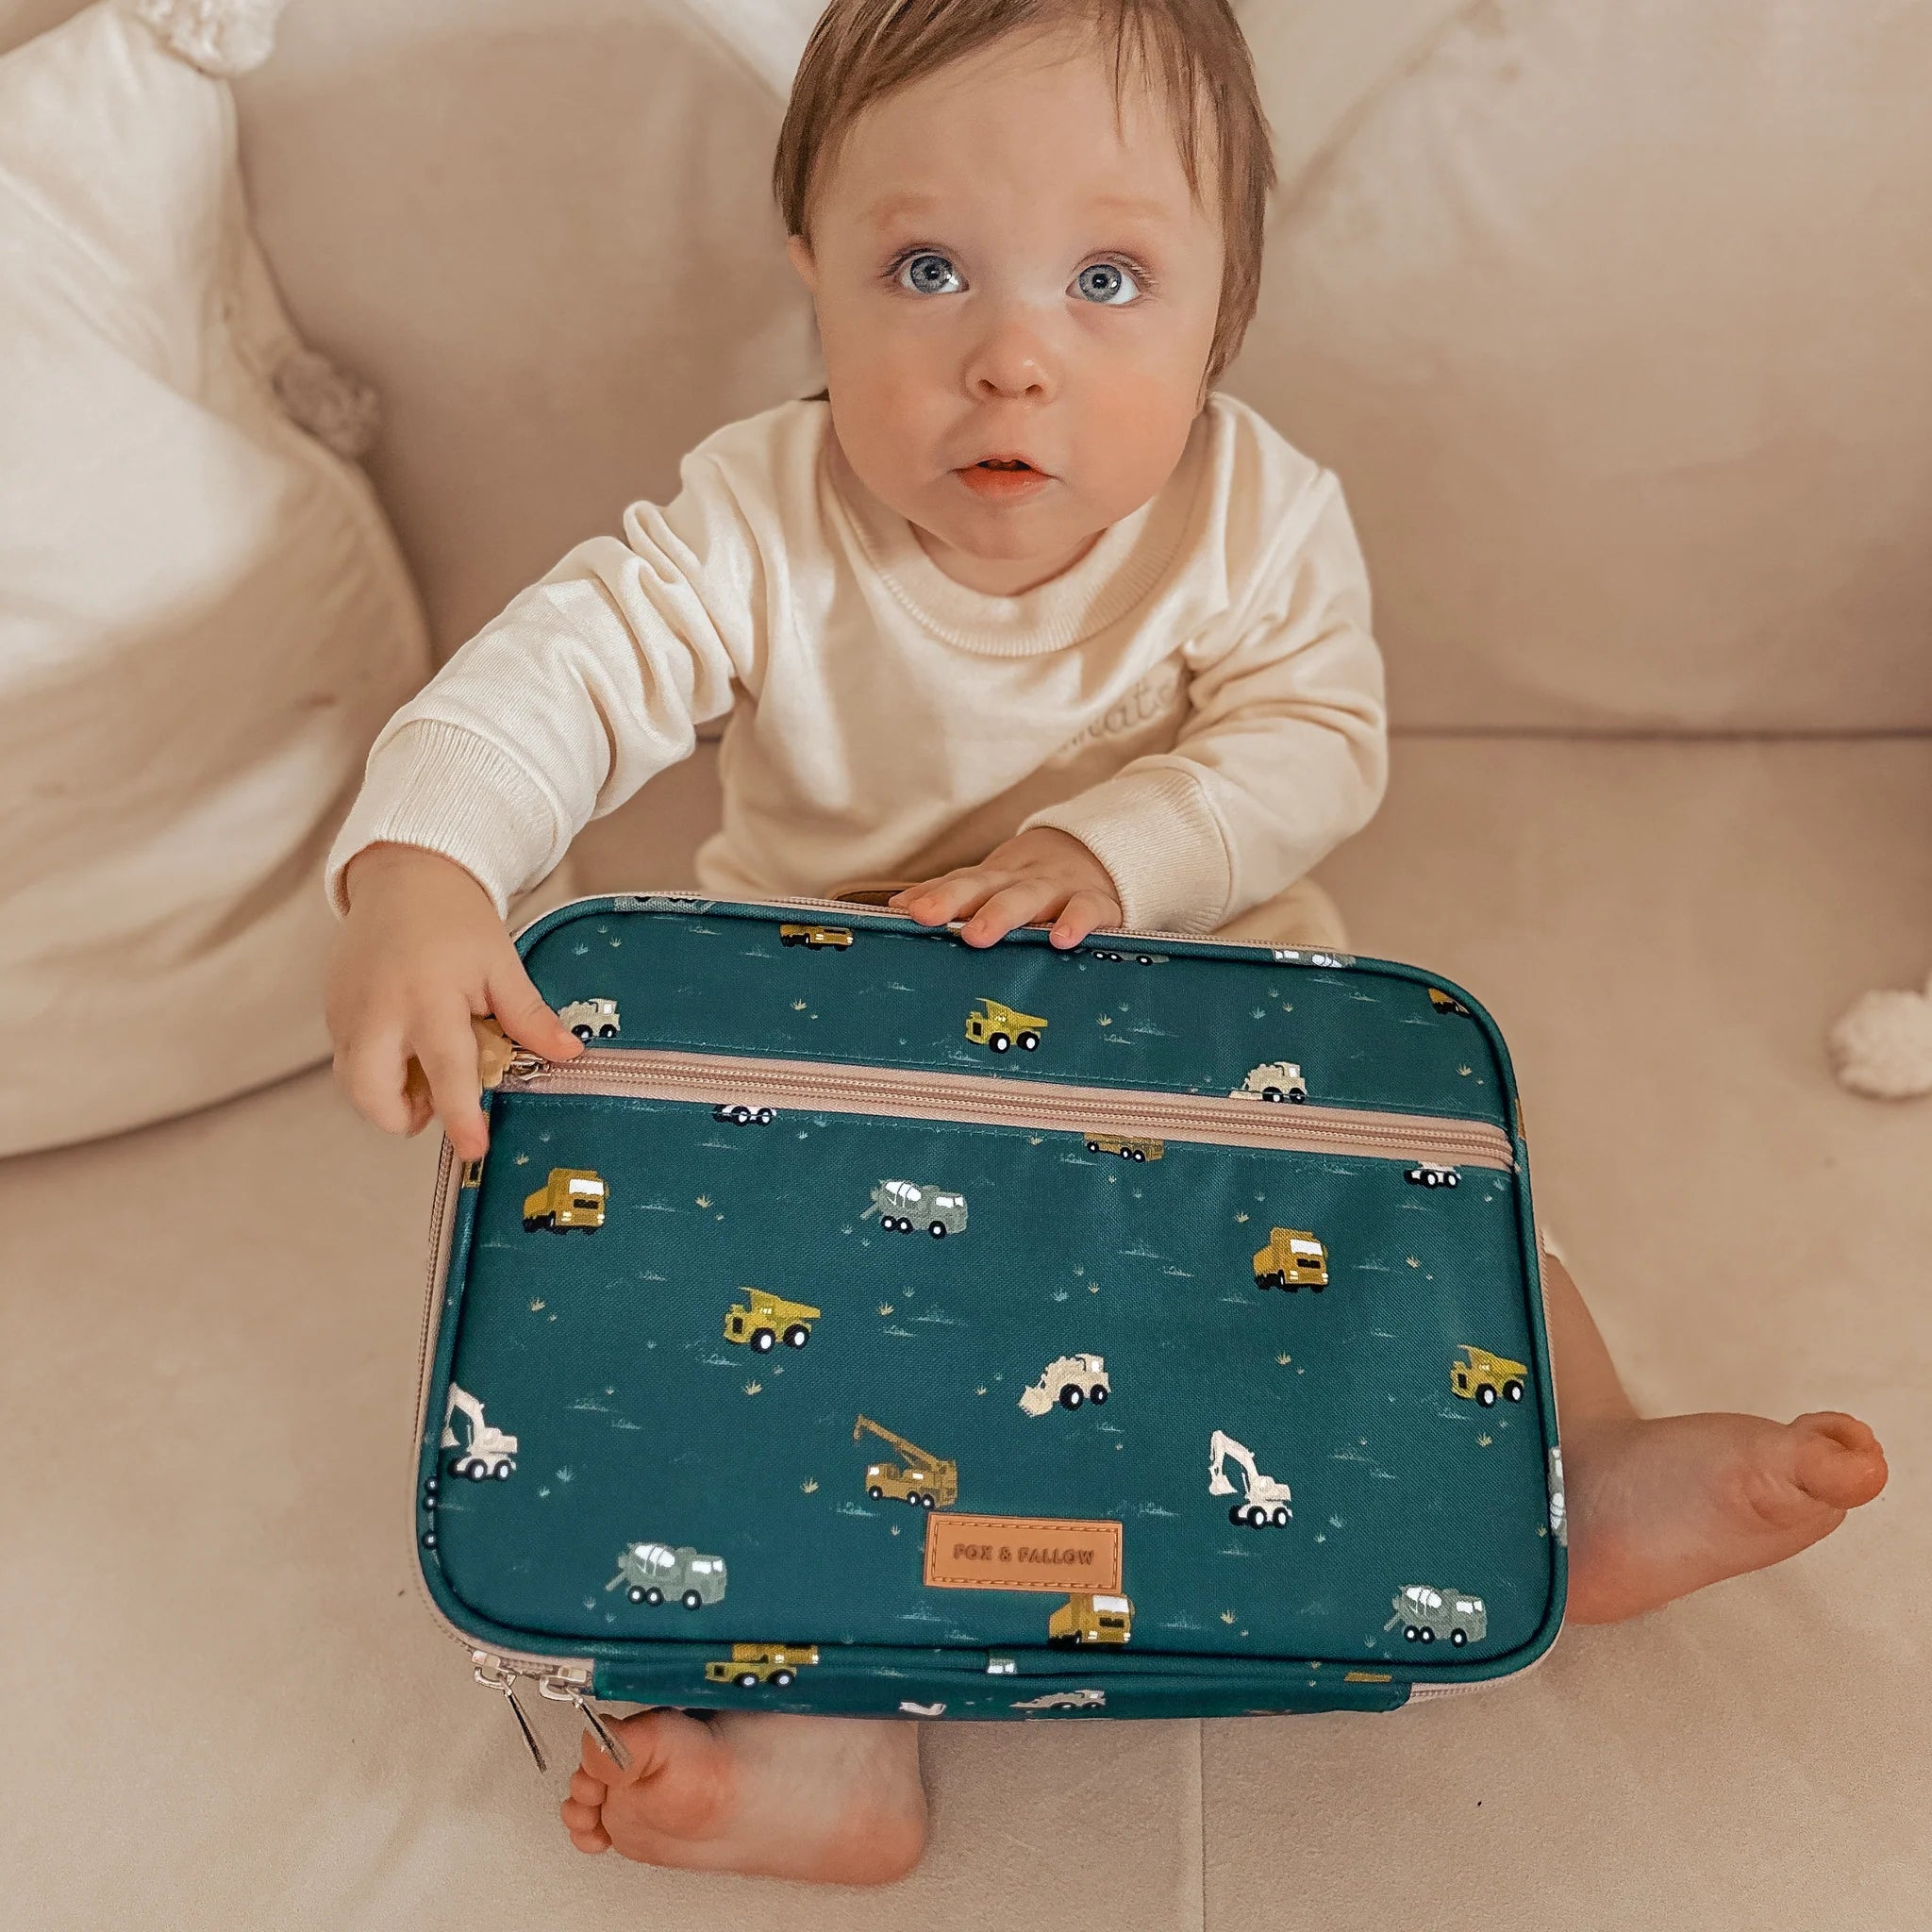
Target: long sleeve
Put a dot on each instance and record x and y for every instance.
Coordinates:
(1283, 752)
(591, 682)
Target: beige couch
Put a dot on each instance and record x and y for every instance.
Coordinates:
(1619, 360)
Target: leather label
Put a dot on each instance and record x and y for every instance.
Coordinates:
(1021, 1553)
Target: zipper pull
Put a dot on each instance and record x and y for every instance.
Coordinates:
(524, 1065)
(562, 1691)
(493, 1676)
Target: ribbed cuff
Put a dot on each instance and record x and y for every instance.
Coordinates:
(1160, 842)
(449, 791)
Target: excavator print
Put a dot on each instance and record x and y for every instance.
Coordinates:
(485, 1449)
(1265, 1500)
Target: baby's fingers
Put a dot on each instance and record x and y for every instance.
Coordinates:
(448, 1051)
(521, 1012)
(377, 1074)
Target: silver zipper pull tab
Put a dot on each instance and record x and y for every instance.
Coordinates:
(561, 1691)
(495, 1677)
(524, 1065)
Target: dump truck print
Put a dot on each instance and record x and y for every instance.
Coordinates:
(1128, 1146)
(764, 1320)
(1272, 1080)
(651, 1572)
(902, 1205)
(1000, 1028)
(1477, 1375)
(1426, 1174)
(816, 939)
(571, 1197)
(752, 1664)
(1084, 1619)
(1427, 1613)
(591, 1019)
(1447, 1003)
(1067, 1383)
(1293, 1258)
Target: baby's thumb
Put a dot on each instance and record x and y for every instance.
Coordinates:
(521, 1012)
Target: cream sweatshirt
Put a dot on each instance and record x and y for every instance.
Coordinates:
(1198, 699)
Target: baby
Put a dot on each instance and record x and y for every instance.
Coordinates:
(1023, 615)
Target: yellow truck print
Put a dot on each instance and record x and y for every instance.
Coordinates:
(1477, 1375)
(1128, 1146)
(752, 1664)
(1001, 1027)
(571, 1197)
(1085, 1619)
(1293, 1258)
(766, 1320)
(1447, 1003)
(816, 939)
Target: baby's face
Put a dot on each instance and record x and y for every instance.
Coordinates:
(998, 273)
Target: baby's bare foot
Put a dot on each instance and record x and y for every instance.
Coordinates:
(837, 1800)
(1662, 1507)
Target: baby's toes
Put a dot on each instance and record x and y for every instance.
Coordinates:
(1836, 1460)
(583, 1813)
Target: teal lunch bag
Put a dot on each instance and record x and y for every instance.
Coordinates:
(871, 1325)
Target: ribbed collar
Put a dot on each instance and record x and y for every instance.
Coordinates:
(1127, 560)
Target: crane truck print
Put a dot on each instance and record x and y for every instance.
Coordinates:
(926, 1481)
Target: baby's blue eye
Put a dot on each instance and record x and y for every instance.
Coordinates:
(928, 274)
(1108, 282)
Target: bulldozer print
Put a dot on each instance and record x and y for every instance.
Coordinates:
(1293, 1258)
(1427, 1613)
(570, 1197)
(1088, 1619)
(815, 938)
(1068, 1382)
(1272, 1080)
(1001, 1027)
(927, 1482)
(766, 1320)
(591, 1019)
(902, 1205)
(1477, 1375)
(482, 1449)
(1128, 1146)
(1264, 1501)
(650, 1573)
(752, 1664)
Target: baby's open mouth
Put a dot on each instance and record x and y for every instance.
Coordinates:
(1002, 463)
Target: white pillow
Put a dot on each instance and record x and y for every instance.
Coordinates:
(203, 616)
(1613, 317)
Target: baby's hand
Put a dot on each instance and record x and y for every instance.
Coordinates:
(419, 956)
(1036, 879)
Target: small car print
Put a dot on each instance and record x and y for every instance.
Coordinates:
(1064, 1700)
(1272, 1080)
(1427, 1175)
(744, 1113)
(1427, 1613)
(815, 938)
(1447, 1003)
(591, 1019)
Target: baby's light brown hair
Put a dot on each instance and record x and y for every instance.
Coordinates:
(862, 50)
